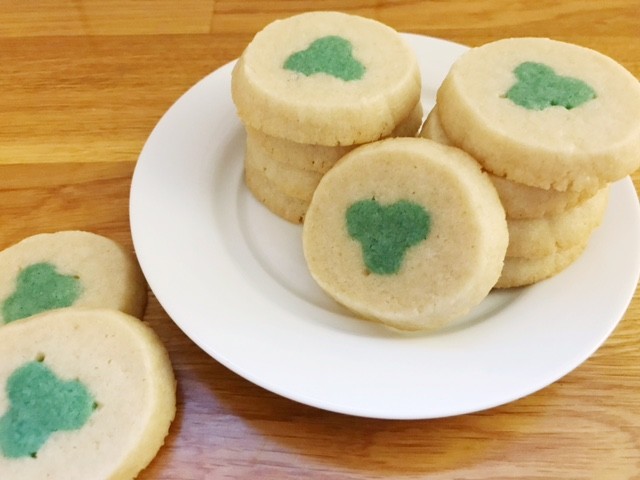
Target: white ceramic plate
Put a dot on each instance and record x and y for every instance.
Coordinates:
(233, 278)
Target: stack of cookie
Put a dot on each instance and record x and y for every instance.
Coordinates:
(554, 124)
(309, 89)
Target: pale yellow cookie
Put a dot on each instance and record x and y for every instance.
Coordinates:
(406, 232)
(540, 237)
(84, 394)
(319, 158)
(519, 272)
(544, 113)
(287, 207)
(290, 180)
(519, 200)
(69, 268)
(326, 78)
(316, 159)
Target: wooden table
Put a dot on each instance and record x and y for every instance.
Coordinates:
(83, 82)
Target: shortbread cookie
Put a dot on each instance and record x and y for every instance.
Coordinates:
(295, 168)
(326, 78)
(287, 207)
(520, 272)
(544, 113)
(290, 180)
(519, 200)
(540, 237)
(407, 232)
(69, 268)
(83, 394)
(319, 158)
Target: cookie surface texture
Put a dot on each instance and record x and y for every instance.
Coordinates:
(520, 201)
(326, 78)
(84, 393)
(521, 271)
(407, 232)
(266, 192)
(544, 113)
(69, 268)
(540, 237)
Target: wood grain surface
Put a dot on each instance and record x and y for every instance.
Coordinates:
(82, 84)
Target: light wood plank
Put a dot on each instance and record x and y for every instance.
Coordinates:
(95, 17)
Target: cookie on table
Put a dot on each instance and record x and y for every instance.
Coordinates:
(326, 78)
(540, 237)
(69, 268)
(520, 271)
(520, 201)
(544, 113)
(84, 393)
(406, 232)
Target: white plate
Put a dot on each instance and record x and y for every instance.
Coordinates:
(232, 277)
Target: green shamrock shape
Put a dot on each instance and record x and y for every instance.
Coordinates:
(386, 232)
(39, 287)
(539, 87)
(331, 55)
(40, 405)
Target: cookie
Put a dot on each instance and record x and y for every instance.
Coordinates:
(289, 208)
(69, 268)
(292, 181)
(544, 113)
(406, 232)
(315, 159)
(326, 78)
(85, 393)
(519, 200)
(540, 237)
(318, 158)
(520, 272)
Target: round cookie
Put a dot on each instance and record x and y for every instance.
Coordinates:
(540, 237)
(319, 158)
(290, 180)
(326, 78)
(520, 272)
(287, 207)
(69, 268)
(519, 200)
(316, 159)
(407, 232)
(544, 113)
(84, 394)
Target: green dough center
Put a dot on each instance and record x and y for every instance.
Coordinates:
(386, 232)
(40, 405)
(331, 55)
(39, 287)
(539, 87)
